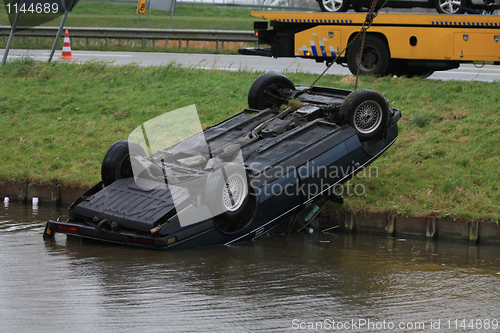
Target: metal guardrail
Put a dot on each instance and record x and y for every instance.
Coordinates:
(144, 34)
(311, 5)
(315, 7)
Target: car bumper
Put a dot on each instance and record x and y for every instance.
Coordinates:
(159, 242)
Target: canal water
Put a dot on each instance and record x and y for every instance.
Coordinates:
(318, 282)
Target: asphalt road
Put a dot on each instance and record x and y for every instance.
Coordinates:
(246, 63)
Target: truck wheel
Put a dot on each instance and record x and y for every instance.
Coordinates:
(376, 57)
(116, 162)
(449, 6)
(367, 112)
(334, 5)
(226, 190)
(266, 91)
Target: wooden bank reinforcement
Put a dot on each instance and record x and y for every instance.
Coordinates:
(393, 225)
(338, 220)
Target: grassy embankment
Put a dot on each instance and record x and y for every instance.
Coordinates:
(57, 121)
(123, 15)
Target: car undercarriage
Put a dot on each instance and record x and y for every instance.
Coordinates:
(278, 162)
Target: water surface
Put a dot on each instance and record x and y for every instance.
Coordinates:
(279, 284)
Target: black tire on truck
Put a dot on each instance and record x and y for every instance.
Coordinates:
(376, 56)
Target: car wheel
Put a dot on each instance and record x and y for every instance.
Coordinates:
(376, 56)
(334, 5)
(367, 112)
(116, 162)
(226, 191)
(267, 91)
(449, 6)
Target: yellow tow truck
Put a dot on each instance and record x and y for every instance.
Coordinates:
(400, 44)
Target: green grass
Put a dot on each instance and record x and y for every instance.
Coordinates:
(58, 120)
(445, 162)
(123, 15)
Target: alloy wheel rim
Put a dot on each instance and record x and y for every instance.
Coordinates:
(449, 6)
(234, 192)
(332, 5)
(367, 117)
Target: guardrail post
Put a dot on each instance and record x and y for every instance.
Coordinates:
(187, 43)
(180, 43)
(37, 40)
(222, 44)
(217, 45)
(153, 43)
(166, 43)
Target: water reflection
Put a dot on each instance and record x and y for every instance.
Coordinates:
(259, 286)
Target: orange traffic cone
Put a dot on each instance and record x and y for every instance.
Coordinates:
(66, 53)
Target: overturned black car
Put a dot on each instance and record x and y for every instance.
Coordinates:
(277, 163)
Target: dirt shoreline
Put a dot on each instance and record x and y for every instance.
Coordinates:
(333, 220)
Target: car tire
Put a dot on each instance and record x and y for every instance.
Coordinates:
(226, 191)
(265, 91)
(367, 112)
(334, 6)
(376, 56)
(116, 162)
(449, 6)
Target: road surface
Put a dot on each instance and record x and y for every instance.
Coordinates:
(466, 72)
